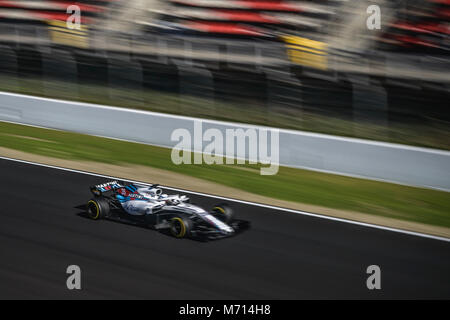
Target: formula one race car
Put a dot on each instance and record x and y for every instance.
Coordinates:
(148, 206)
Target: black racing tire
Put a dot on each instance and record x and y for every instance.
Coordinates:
(97, 208)
(223, 212)
(180, 227)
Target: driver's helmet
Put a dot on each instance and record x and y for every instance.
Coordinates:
(172, 202)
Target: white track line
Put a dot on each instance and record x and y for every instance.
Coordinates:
(315, 215)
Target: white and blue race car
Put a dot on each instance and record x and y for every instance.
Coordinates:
(149, 206)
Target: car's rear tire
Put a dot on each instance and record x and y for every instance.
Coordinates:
(223, 212)
(180, 227)
(97, 208)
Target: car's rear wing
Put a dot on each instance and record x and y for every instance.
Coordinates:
(99, 189)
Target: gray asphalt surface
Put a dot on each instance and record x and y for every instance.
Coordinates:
(283, 255)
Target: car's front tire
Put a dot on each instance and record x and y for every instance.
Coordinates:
(223, 212)
(180, 227)
(97, 208)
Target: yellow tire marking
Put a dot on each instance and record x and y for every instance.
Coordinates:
(220, 209)
(98, 209)
(183, 228)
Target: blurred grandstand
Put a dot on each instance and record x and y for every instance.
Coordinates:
(420, 25)
(413, 23)
(307, 56)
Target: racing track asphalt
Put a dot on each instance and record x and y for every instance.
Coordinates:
(284, 255)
